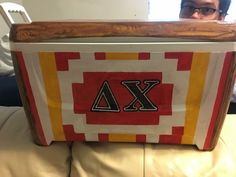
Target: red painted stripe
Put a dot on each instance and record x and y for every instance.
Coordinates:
(103, 137)
(71, 135)
(178, 130)
(29, 93)
(184, 59)
(175, 138)
(62, 59)
(100, 55)
(141, 138)
(144, 56)
(170, 139)
(220, 92)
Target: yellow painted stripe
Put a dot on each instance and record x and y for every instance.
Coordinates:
(122, 138)
(121, 56)
(196, 86)
(49, 72)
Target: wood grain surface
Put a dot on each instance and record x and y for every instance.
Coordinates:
(190, 29)
(25, 99)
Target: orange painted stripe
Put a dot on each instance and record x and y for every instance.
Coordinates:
(121, 56)
(121, 138)
(49, 72)
(196, 87)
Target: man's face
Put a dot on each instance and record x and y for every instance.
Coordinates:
(201, 9)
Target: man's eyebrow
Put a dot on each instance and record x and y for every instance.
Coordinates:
(192, 2)
(188, 2)
(209, 3)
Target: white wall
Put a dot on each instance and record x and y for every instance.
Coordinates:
(86, 9)
(232, 12)
(3, 26)
(16, 1)
(45, 10)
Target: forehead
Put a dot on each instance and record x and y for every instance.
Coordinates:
(203, 2)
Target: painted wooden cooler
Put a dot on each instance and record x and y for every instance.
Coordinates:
(152, 82)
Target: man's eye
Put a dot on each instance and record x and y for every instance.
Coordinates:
(207, 10)
(188, 8)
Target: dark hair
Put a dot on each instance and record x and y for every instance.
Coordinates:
(224, 6)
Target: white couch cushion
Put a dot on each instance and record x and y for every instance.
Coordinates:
(20, 157)
(153, 160)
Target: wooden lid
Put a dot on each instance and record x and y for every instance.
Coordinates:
(187, 29)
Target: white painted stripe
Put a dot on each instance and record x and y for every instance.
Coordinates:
(209, 95)
(36, 81)
(152, 138)
(91, 136)
(126, 47)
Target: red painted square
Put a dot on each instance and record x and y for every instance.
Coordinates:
(100, 55)
(103, 137)
(144, 56)
(62, 59)
(184, 59)
(141, 138)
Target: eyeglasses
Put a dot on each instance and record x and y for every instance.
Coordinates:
(188, 11)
